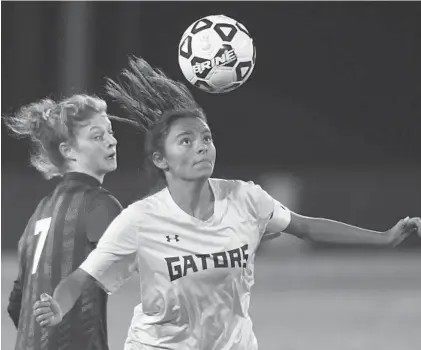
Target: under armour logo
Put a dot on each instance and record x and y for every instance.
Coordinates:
(169, 239)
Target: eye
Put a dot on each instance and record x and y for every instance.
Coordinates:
(186, 142)
(98, 138)
(208, 138)
(111, 132)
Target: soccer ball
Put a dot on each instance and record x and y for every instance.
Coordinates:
(216, 54)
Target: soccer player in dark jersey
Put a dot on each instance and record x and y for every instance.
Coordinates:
(72, 139)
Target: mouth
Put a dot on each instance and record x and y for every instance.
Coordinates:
(204, 161)
(112, 156)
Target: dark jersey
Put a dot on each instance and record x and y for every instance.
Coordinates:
(61, 233)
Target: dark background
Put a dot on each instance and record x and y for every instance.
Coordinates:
(333, 105)
(329, 123)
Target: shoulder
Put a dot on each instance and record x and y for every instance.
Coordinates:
(234, 189)
(246, 196)
(101, 198)
(150, 204)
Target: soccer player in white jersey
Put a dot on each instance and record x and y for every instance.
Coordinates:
(194, 240)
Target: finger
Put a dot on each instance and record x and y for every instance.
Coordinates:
(42, 310)
(41, 304)
(414, 221)
(401, 223)
(45, 323)
(44, 317)
(412, 226)
(417, 221)
(411, 221)
(404, 221)
(45, 297)
(419, 226)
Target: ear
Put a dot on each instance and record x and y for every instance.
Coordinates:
(66, 151)
(160, 161)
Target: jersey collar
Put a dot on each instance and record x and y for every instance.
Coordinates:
(82, 177)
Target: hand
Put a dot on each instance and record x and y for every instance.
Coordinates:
(47, 311)
(403, 229)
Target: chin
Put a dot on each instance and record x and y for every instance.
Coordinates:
(205, 174)
(111, 168)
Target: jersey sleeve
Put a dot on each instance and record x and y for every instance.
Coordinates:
(114, 259)
(103, 209)
(271, 215)
(15, 297)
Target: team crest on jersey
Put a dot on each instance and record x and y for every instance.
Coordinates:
(180, 266)
(172, 238)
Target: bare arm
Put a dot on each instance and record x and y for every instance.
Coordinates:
(330, 231)
(49, 311)
(280, 219)
(70, 288)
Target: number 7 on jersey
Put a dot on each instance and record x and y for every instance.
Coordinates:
(41, 228)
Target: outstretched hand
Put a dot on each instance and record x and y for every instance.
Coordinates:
(47, 311)
(403, 229)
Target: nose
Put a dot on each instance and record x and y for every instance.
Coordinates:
(112, 140)
(203, 148)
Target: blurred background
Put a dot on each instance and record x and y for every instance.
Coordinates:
(329, 123)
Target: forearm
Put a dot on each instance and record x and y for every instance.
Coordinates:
(69, 289)
(330, 231)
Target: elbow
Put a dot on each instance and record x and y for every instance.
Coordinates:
(301, 227)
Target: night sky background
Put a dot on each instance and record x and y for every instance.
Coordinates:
(336, 88)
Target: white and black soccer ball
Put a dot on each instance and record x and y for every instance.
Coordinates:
(216, 54)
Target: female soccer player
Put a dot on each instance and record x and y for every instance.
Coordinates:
(195, 239)
(72, 139)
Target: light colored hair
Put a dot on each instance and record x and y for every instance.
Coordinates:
(48, 123)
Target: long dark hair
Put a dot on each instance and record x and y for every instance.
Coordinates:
(153, 102)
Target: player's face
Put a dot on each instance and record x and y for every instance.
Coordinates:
(94, 149)
(189, 150)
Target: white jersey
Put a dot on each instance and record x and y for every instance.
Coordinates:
(195, 275)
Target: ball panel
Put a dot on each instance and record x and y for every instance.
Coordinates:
(201, 24)
(206, 44)
(225, 30)
(224, 57)
(221, 77)
(221, 19)
(185, 49)
(243, 70)
(203, 85)
(200, 67)
(186, 68)
(243, 46)
(232, 87)
(243, 29)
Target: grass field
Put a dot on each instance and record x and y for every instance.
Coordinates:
(334, 301)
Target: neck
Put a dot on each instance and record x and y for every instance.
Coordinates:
(100, 178)
(194, 197)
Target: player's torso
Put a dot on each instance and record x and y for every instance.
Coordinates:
(55, 244)
(196, 277)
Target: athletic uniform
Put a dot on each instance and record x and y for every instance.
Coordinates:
(61, 233)
(196, 276)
